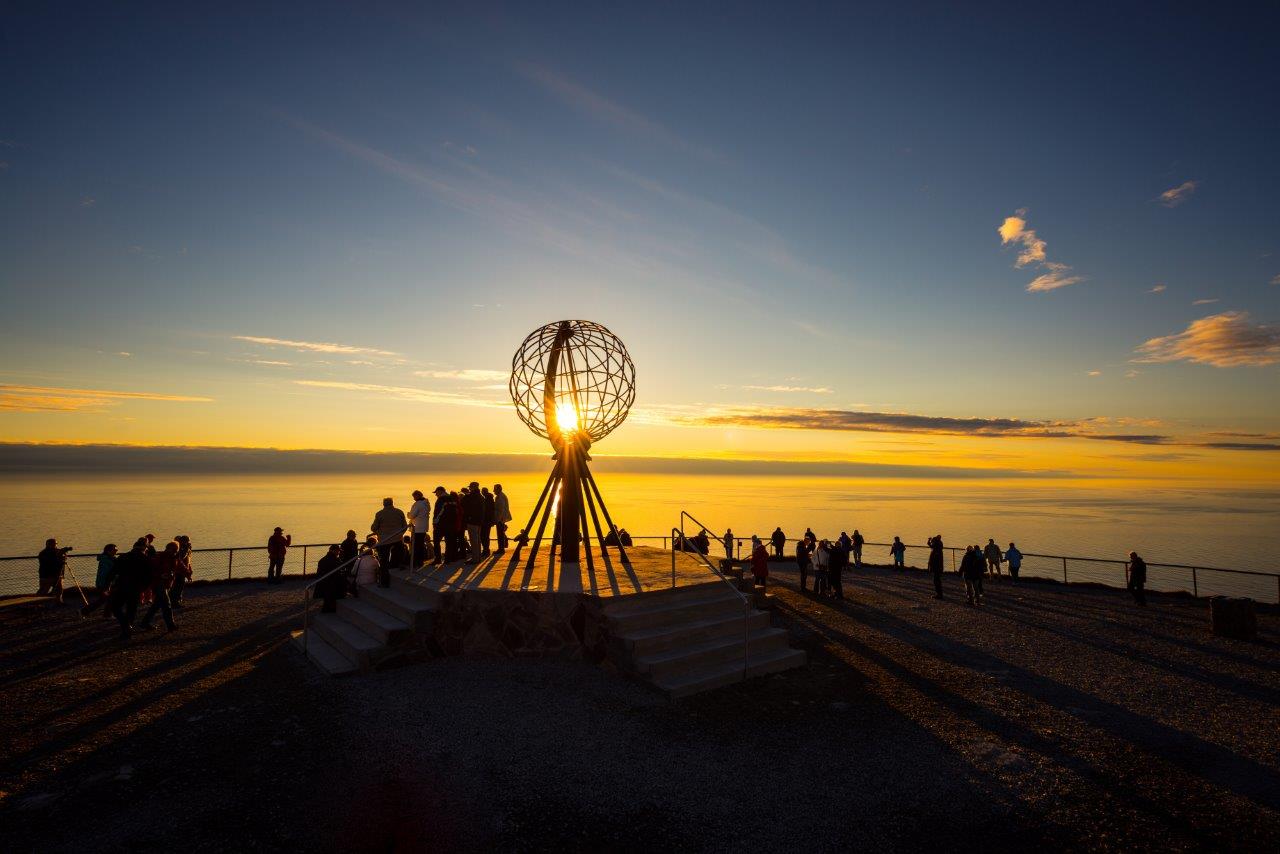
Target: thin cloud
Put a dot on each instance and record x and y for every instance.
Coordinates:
(1059, 276)
(273, 363)
(472, 375)
(843, 420)
(419, 395)
(1175, 196)
(1242, 446)
(1224, 340)
(797, 389)
(1158, 289)
(25, 398)
(1204, 301)
(607, 111)
(1015, 231)
(1095, 373)
(313, 346)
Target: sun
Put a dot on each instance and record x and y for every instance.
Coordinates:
(566, 417)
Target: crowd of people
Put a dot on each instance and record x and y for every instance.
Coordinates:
(124, 583)
(461, 526)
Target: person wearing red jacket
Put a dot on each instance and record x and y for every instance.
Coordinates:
(164, 569)
(759, 561)
(277, 547)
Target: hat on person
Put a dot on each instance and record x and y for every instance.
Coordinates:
(279, 530)
(440, 490)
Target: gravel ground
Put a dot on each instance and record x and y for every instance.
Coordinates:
(1049, 717)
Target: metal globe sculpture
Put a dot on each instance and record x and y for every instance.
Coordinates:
(572, 383)
(573, 376)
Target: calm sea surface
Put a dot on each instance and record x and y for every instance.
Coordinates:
(1232, 528)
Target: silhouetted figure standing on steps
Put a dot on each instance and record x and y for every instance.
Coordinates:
(779, 541)
(473, 518)
(936, 564)
(332, 588)
(442, 528)
(490, 511)
(350, 547)
(858, 542)
(727, 539)
(388, 524)
(501, 515)
(1137, 568)
(420, 518)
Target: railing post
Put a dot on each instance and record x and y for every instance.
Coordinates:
(304, 560)
(1195, 586)
(230, 556)
(953, 560)
(1064, 570)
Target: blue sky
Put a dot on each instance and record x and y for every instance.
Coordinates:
(754, 198)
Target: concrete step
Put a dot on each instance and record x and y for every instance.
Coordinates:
(373, 621)
(630, 601)
(323, 655)
(347, 639)
(648, 641)
(415, 585)
(676, 611)
(727, 673)
(402, 606)
(671, 663)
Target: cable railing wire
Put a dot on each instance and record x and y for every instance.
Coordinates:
(18, 573)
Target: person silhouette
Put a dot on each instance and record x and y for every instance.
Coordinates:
(1137, 568)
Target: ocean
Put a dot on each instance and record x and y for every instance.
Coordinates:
(1229, 527)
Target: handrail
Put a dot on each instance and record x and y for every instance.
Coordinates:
(746, 604)
(306, 603)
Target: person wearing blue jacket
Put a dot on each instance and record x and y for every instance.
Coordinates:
(1013, 558)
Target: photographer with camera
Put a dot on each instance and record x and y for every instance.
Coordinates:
(53, 565)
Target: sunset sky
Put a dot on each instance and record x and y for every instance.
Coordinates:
(927, 235)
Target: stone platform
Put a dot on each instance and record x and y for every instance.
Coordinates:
(646, 569)
(684, 629)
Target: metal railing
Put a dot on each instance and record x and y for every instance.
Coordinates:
(307, 588)
(18, 575)
(1199, 581)
(702, 556)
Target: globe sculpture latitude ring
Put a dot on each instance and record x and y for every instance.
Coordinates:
(572, 379)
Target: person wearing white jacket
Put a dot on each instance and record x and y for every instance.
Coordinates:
(420, 519)
(501, 515)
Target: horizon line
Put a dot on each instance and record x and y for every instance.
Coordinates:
(97, 457)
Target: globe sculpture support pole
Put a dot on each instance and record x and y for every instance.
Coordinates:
(566, 452)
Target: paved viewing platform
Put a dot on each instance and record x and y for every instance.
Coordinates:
(646, 569)
(1051, 717)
